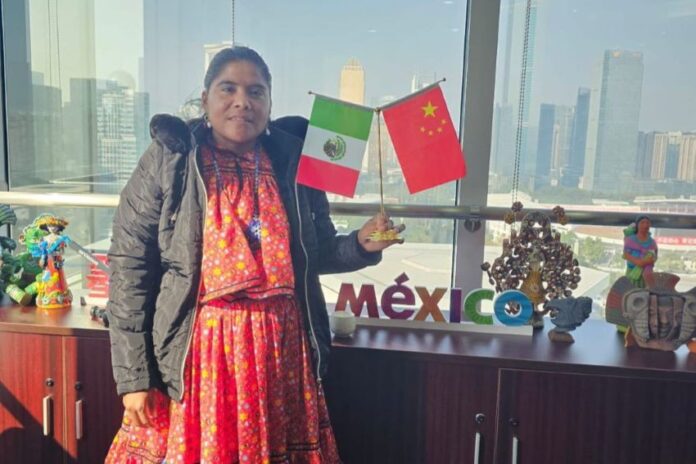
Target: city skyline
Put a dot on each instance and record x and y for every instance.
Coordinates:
(105, 59)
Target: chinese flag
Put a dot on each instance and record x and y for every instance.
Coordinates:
(425, 140)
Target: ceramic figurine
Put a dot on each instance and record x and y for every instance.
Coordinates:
(535, 261)
(640, 251)
(53, 291)
(659, 317)
(567, 314)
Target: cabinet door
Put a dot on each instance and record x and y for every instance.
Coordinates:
(375, 404)
(31, 399)
(595, 419)
(387, 408)
(460, 413)
(93, 408)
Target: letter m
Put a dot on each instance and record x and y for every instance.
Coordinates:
(346, 296)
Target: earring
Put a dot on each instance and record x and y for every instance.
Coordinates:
(207, 121)
(268, 131)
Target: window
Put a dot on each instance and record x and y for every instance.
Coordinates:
(594, 111)
(84, 77)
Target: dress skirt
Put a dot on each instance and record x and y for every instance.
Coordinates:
(250, 394)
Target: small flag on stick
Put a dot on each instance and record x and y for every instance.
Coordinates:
(334, 146)
(424, 139)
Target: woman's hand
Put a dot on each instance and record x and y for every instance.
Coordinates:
(379, 223)
(138, 407)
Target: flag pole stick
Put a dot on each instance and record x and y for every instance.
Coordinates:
(379, 159)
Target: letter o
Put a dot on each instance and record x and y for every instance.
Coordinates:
(525, 308)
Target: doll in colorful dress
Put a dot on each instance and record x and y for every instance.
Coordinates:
(53, 291)
(640, 251)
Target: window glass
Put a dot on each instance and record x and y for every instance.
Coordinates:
(594, 105)
(85, 76)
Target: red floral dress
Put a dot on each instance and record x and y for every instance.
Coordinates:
(250, 394)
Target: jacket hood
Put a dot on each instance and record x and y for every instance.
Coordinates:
(179, 136)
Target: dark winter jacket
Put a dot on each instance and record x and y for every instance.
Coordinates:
(156, 252)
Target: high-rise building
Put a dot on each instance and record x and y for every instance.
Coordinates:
(511, 123)
(672, 158)
(81, 142)
(564, 117)
(503, 142)
(175, 32)
(117, 131)
(553, 144)
(660, 142)
(352, 83)
(610, 155)
(664, 154)
(644, 154)
(47, 116)
(687, 158)
(545, 143)
(576, 156)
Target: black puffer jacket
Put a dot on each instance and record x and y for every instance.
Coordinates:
(156, 252)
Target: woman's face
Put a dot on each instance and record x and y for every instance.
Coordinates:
(643, 225)
(238, 104)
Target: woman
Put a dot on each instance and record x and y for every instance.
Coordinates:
(640, 251)
(215, 258)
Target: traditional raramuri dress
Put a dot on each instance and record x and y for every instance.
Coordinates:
(250, 393)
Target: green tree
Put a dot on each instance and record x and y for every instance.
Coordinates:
(591, 251)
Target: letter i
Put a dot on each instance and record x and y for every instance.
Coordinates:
(456, 305)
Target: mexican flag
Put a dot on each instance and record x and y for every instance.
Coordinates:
(334, 146)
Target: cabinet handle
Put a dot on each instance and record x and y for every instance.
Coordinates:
(47, 414)
(477, 448)
(515, 443)
(78, 419)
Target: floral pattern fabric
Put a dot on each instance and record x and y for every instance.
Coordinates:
(250, 394)
(231, 268)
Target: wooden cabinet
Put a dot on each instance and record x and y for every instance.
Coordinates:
(394, 395)
(569, 418)
(402, 397)
(31, 398)
(385, 409)
(58, 401)
(94, 410)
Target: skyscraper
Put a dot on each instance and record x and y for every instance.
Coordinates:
(545, 143)
(553, 144)
(519, 17)
(687, 158)
(664, 154)
(660, 142)
(644, 155)
(610, 155)
(116, 145)
(578, 139)
(352, 84)
(175, 32)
